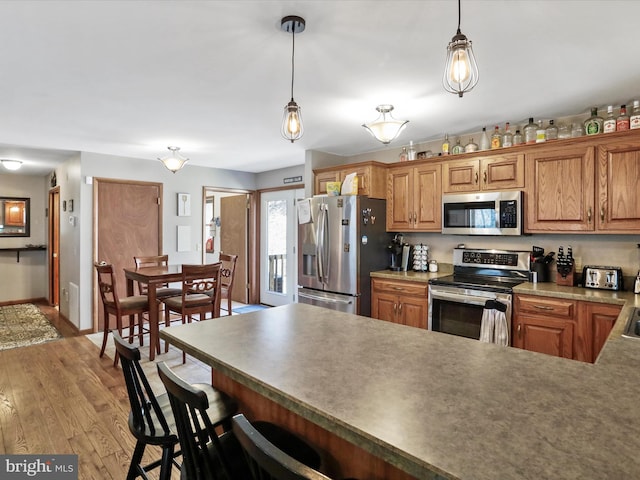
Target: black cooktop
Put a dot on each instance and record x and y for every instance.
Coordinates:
(479, 282)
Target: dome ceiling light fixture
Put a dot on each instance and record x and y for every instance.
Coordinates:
(11, 164)
(175, 161)
(461, 69)
(385, 128)
(292, 128)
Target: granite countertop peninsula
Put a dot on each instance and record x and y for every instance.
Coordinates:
(432, 403)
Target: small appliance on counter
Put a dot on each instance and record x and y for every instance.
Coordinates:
(602, 277)
(399, 253)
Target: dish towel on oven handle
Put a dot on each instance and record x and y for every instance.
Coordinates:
(494, 327)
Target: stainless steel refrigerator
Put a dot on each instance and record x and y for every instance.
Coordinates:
(340, 241)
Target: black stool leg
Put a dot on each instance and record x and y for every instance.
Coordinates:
(167, 462)
(135, 461)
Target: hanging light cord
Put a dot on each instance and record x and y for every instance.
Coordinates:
(459, 15)
(293, 52)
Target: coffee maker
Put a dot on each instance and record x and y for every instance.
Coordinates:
(398, 254)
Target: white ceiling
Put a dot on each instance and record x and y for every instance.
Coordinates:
(130, 78)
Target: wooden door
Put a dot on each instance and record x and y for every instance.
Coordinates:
(618, 199)
(234, 221)
(503, 172)
(400, 199)
(600, 317)
(560, 190)
(544, 335)
(384, 306)
(322, 178)
(427, 198)
(413, 311)
(461, 176)
(128, 222)
(54, 247)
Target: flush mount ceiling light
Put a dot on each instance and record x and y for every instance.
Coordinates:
(461, 69)
(385, 128)
(175, 161)
(292, 128)
(11, 164)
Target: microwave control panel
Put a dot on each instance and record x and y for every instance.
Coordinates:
(508, 214)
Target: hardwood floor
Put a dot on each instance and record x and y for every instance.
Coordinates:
(61, 398)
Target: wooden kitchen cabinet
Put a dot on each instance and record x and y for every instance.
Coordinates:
(599, 318)
(399, 301)
(414, 198)
(371, 178)
(560, 190)
(618, 175)
(14, 213)
(496, 172)
(544, 325)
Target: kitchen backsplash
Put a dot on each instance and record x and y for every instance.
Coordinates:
(616, 250)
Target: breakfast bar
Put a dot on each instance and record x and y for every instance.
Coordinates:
(429, 404)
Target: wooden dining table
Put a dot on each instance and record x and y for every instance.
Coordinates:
(153, 277)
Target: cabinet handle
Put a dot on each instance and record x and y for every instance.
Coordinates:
(399, 289)
(519, 330)
(484, 176)
(602, 214)
(395, 308)
(476, 177)
(400, 309)
(543, 307)
(589, 214)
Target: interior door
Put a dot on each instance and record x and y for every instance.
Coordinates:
(54, 247)
(278, 240)
(234, 224)
(128, 222)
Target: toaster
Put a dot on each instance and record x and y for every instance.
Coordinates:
(605, 278)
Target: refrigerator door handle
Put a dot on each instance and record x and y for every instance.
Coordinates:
(322, 247)
(324, 299)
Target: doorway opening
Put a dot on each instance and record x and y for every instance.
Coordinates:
(228, 220)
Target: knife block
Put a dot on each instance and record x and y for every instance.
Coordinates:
(566, 276)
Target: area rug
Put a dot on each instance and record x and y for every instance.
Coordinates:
(249, 308)
(23, 325)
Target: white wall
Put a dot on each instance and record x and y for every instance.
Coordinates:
(76, 259)
(28, 278)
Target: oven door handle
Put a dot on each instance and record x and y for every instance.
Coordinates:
(454, 297)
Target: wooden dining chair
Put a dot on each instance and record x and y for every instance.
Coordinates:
(164, 290)
(119, 307)
(200, 295)
(208, 455)
(151, 419)
(228, 275)
(265, 460)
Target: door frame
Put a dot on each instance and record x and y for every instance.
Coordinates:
(54, 246)
(253, 236)
(258, 235)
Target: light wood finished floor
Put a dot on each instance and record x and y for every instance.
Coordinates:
(60, 397)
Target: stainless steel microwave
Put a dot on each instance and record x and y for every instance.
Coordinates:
(486, 213)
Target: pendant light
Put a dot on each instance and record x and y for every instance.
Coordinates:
(461, 69)
(385, 128)
(175, 161)
(292, 128)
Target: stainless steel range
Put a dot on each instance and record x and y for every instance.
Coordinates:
(457, 302)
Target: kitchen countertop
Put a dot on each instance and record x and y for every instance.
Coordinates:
(431, 402)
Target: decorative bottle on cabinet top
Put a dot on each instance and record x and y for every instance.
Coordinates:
(445, 145)
(551, 133)
(411, 153)
(496, 138)
(609, 123)
(518, 139)
(622, 122)
(634, 122)
(530, 132)
(485, 143)
(507, 137)
(593, 124)
(404, 156)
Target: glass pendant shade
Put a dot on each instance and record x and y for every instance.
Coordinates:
(11, 164)
(175, 161)
(385, 128)
(461, 70)
(292, 128)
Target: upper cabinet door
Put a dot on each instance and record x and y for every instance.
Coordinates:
(618, 193)
(560, 190)
(495, 172)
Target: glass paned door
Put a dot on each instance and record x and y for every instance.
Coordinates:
(278, 238)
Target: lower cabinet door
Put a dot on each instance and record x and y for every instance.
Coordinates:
(413, 311)
(544, 335)
(384, 306)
